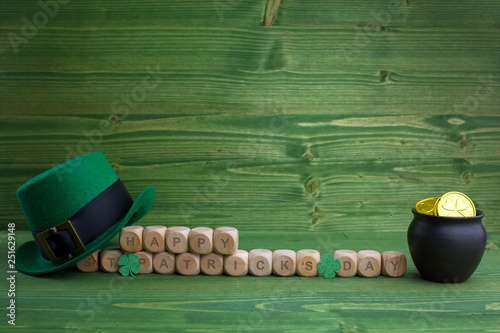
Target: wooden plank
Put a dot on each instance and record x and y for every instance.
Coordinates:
(331, 124)
(176, 303)
(227, 13)
(220, 168)
(256, 50)
(376, 93)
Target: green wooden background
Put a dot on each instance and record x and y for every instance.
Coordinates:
(320, 131)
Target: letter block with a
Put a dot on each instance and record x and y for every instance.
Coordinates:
(164, 263)
(154, 238)
(369, 263)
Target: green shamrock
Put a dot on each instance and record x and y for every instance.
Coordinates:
(129, 264)
(329, 266)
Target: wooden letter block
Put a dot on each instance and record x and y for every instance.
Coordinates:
(284, 262)
(236, 264)
(154, 238)
(260, 262)
(348, 260)
(225, 240)
(164, 262)
(146, 261)
(201, 240)
(212, 264)
(307, 262)
(393, 264)
(176, 239)
(187, 263)
(131, 238)
(90, 263)
(109, 259)
(369, 263)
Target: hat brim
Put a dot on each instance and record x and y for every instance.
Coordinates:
(30, 261)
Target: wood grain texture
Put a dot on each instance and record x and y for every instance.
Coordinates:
(330, 124)
(102, 301)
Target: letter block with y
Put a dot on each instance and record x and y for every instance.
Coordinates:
(225, 240)
(393, 264)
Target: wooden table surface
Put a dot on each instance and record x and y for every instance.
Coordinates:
(319, 131)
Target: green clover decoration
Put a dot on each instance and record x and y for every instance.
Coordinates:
(328, 266)
(129, 264)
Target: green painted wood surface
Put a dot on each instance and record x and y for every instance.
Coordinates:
(330, 125)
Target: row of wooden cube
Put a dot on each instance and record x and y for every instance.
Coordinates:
(258, 262)
(158, 238)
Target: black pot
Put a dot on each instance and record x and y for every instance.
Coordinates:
(446, 249)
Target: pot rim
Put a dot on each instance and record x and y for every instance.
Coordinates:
(479, 216)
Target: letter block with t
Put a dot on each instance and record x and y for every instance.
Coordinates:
(154, 238)
(348, 261)
(90, 263)
(187, 263)
(164, 262)
(393, 264)
(260, 262)
(369, 263)
(201, 240)
(176, 239)
(109, 259)
(284, 262)
(131, 238)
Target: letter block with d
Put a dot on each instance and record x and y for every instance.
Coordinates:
(349, 262)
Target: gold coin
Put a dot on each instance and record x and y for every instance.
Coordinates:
(426, 206)
(454, 204)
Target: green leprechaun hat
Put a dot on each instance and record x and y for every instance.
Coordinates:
(73, 210)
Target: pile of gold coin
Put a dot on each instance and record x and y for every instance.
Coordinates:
(451, 204)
